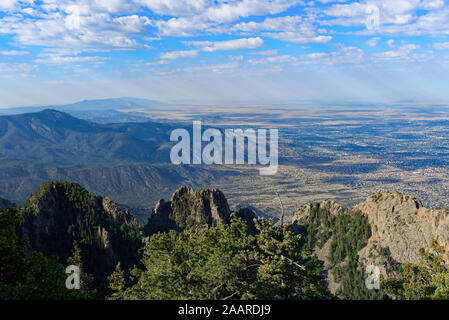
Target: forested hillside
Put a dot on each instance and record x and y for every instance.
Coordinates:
(195, 246)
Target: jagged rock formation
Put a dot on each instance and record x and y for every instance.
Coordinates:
(4, 204)
(387, 229)
(329, 206)
(399, 227)
(401, 224)
(188, 208)
(59, 213)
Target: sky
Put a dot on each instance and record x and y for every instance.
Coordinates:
(224, 52)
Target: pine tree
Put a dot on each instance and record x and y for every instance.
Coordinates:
(86, 280)
(117, 283)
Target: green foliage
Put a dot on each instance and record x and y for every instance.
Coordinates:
(285, 272)
(77, 216)
(223, 262)
(86, 280)
(317, 225)
(25, 277)
(117, 283)
(182, 211)
(426, 280)
(348, 234)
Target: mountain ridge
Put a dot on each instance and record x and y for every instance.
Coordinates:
(89, 105)
(55, 137)
(399, 227)
(346, 241)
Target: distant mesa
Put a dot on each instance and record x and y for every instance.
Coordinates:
(90, 105)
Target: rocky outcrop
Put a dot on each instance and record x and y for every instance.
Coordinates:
(329, 206)
(120, 216)
(399, 226)
(61, 213)
(400, 223)
(189, 208)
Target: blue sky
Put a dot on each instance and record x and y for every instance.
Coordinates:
(222, 52)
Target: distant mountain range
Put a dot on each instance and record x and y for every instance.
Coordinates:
(54, 137)
(101, 111)
(127, 161)
(90, 105)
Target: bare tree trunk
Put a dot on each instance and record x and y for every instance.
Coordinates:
(282, 209)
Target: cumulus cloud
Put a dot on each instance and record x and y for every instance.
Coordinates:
(237, 44)
(395, 17)
(373, 41)
(296, 29)
(86, 26)
(72, 32)
(179, 54)
(401, 53)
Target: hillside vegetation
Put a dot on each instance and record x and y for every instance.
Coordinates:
(195, 247)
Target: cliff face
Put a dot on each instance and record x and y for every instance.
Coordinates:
(398, 222)
(329, 206)
(188, 208)
(401, 224)
(398, 226)
(59, 213)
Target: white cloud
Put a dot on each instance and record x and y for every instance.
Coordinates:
(195, 16)
(432, 4)
(85, 27)
(274, 59)
(343, 56)
(17, 69)
(402, 53)
(237, 44)
(13, 53)
(175, 7)
(396, 17)
(8, 4)
(265, 53)
(215, 68)
(296, 29)
(441, 45)
(179, 54)
(373, 42)
(55, 59)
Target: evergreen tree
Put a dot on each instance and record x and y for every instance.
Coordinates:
(33, 277)
(224, 262)
(117, 283)
(426, 280)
